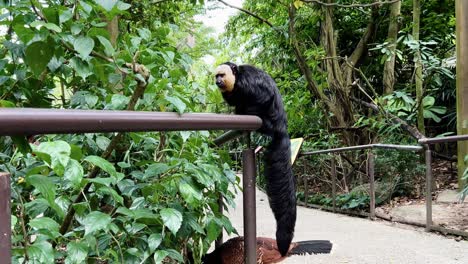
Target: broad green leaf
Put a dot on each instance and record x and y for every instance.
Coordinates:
(112, 193)
(177, 103)
(154, 240)
(59, 152)
(44, 185)
(96, 221)
(185, 135)
(83, 69)
(159, 256)
(41, 252)
(118, 102)
(213, 230)
(65, 15)
(172, 219)
(108, 48)
(46, 226)
(123, 6)
(102, 142)
(298, 4)
(104, 181)
(84, 46)
(104, 165)
(45, 223)
(144, 33)
(5, 103)
(155, 170)
(37, 56)
(53, 27)
(106, 4)
(77, 252)
(175, 255)
(74, 173)
(189, 193)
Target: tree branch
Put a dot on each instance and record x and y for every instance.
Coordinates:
(141, 87)
(249, 13)
(351, 5)
(413, 131)
(362, 45)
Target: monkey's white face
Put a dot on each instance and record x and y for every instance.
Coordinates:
(225, 78)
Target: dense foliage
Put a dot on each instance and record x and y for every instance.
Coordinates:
(132, 198)
(153, 197)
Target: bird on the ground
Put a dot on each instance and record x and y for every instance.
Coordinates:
(232, 251)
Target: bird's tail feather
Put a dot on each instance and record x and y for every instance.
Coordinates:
(281, 189)
(312, 247)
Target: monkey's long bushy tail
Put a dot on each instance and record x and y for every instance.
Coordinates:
(281, 189)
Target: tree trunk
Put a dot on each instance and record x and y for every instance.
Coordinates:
(389, 68)
(418, 67)
(462, 84)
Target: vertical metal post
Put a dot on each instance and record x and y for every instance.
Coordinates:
(250, 229)
(370, 171)
(219, 240)
(428, 158)
(306, 191)
(333, 174)
(306, 184)
(5, 218)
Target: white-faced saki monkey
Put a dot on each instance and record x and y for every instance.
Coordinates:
(254, 92)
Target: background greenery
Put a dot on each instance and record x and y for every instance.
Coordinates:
(152, 197)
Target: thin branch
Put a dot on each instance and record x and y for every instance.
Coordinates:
(393, 118)
(351, 5)
(249, 13)
(110, 148)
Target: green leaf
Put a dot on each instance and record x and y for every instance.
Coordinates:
(74, 173)
(22, 144)
(185, 135)
(45, 223)
(77, 252)
(177, 103)
(96, 221)
(5, 103)
(83, 69)
(59, 152)
(84, 46)
(106, 190)
(37, 56)
(159, 256)
(41, 252)
(154, 240)
(155, 170)
(65, 15)
(108, 48)
(102, 142)
(104, 165)
(172, 219)
(53, 27)
(118, 102)
(106, 4)
(189, 193)
(103, 181)
(123, 6)
(44, 185)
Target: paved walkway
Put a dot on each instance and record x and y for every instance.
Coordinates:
(358, 240)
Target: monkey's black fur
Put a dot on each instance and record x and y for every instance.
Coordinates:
(255, 93)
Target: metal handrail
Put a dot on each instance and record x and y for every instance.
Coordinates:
(31, 121)
(424, 145)
(15, 121)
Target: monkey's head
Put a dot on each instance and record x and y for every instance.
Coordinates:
(226, 76)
